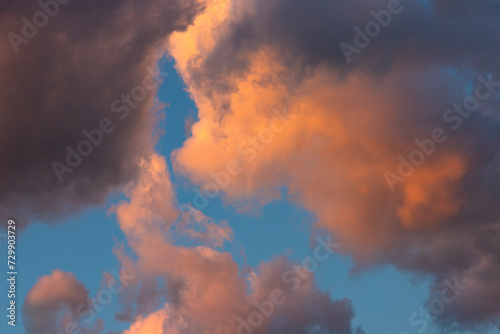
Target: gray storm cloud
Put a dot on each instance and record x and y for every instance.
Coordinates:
(62, 66)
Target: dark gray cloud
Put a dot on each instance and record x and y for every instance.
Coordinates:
(61, 81)
(305, 309)
(308, 34)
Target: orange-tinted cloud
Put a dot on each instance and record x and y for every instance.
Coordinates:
(204, 289)
(348, 124)
(52, 304)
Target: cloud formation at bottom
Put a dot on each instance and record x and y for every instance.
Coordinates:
(56, 304)
(203, 290)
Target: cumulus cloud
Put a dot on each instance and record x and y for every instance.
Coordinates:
(202, 286)
(52, 305)
(63, 81)
(272, 307)
(346, 126)
(153, 323)
(195, 225)
(305, 308)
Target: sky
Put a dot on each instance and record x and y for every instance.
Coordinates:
(251, 166)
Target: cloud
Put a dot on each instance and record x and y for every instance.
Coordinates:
(202, 286)
(153, 323)
(305, 308)
(64, 81)
(52, 304)
(273, 306)
(201, 282)
(349, 124)
(195, 225)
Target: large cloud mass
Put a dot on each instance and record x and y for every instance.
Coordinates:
(61, 80)
(391, 152)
